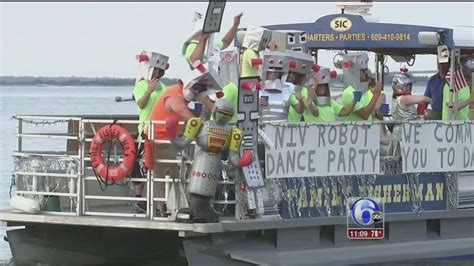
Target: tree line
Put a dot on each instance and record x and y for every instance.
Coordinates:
(83, 81)
(70, 81)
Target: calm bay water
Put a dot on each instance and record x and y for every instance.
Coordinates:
(56, 101)
(48, 101)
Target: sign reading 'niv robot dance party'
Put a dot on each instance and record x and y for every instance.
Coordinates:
(306, 150)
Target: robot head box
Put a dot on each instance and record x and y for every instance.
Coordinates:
(355, 70)
(301, 63)
(325, 75)
(255, 38)
(285, 62)
(293, 40)
(323, 99)
(148, 61)
(201, 82)
(301, 67)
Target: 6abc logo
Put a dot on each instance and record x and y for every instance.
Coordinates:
(366, 219)
(366, 212)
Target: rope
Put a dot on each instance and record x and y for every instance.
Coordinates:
(103, 183)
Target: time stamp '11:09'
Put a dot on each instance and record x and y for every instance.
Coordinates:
(365, 218)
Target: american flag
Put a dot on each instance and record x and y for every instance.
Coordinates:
(459, 79)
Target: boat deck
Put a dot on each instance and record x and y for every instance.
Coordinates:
(225, 225)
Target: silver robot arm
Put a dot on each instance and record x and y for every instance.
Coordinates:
(181, 143)
(193, 127)
(235, 160)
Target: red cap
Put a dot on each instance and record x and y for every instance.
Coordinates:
(199, 66)
(347, 64)
(316, 68)
(293, 64)
(333, 74)
(247, 86)
(256, 61)
(142, 58)
(251, 86)
(219, 94)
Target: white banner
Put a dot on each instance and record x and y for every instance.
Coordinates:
(437, 146)
(304, 149)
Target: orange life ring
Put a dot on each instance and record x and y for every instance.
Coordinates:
(108, 133)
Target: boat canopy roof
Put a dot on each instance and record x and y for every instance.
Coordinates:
(464, 38)
(353, 32)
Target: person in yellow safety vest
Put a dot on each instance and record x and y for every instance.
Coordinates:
(318, 105)
(256, 39)
(378, 114)
(302, 67)
(356, 78)
(195, 46)
(148, 88)
(293, 114)
(468, 71)
(465, 98)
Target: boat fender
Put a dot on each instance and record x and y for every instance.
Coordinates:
(106, 134)
(22, 204)
(148, 154)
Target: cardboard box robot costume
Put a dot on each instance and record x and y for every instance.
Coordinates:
(325, 77)
(255, 38)
(147, 61)
(293, 40)
(352, 65)
(201, 82)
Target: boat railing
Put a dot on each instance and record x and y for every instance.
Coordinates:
(64, 183)
(99, 197)
(48, 175)
(74, 185)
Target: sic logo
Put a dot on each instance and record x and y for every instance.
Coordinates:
(366, 212)
(341, 24)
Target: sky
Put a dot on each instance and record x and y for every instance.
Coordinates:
(102, 39)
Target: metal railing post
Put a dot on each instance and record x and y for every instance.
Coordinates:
(151, 174)
(19, 143)
(81, 170)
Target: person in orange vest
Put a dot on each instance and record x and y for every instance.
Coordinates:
(174, 102)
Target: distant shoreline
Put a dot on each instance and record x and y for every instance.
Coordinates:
(119, 82)
(61, 85)
(71, 81)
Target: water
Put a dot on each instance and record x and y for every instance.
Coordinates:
(48, 101)
(58, 101)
